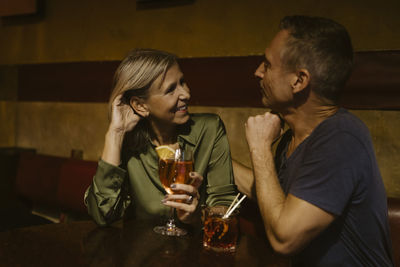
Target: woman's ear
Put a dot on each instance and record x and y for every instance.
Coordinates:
(139, 106)
(301, 80)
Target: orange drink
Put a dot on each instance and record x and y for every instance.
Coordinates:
(220, 234)
(172, 171)
(167, 173)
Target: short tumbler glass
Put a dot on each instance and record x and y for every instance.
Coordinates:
(220, 234)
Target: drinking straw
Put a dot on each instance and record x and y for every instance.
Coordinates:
(234, 207)
(178, 153)
(233, 202)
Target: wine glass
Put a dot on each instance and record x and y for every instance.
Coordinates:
(174, 170)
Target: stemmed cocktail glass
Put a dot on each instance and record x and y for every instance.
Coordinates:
(174, 170)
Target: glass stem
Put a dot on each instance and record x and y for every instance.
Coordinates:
(171, 220)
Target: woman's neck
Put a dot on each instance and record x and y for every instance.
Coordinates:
(163, 134)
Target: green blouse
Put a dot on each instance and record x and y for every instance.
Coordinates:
(138, 187)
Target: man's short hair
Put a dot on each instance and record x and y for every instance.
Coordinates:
(323, 47)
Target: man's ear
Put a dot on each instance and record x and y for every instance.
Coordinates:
(301, 79)
(139, 106)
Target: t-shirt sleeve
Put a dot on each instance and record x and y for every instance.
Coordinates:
(329, 173)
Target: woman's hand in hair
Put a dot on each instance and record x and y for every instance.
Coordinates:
(123, 118)
(185, 199)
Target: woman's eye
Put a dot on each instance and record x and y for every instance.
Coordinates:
(171, 89)
(182, 81)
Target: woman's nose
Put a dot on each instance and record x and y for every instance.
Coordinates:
(260, 71)
(184, 93)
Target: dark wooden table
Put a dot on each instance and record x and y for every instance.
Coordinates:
(124, 244)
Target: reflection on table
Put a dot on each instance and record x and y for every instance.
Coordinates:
(130, 243)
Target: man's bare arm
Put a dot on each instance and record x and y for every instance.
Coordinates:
(290, 222)
(244, 179)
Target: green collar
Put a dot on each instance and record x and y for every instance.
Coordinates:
(184, 134)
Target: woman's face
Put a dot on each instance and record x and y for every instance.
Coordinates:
(167, 102)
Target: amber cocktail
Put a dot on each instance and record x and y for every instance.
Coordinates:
(220, 234)
(172, 171)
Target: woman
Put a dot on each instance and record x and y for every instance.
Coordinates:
(149, 108)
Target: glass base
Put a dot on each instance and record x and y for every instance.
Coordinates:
(170, 231)
(228, 248)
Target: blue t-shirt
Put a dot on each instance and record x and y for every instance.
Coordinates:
(336, 170)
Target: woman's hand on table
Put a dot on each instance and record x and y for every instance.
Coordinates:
(188, 197)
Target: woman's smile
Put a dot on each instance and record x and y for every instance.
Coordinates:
(182, 108)
(168, 98)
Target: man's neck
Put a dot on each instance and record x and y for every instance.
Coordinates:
(304, 119)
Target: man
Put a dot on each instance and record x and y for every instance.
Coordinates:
(321, 198)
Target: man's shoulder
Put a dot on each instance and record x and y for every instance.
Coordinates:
(340, 132)
(343, 122)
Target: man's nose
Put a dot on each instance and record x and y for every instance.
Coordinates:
(260, 71)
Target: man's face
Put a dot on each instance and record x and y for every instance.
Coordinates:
(274, 79)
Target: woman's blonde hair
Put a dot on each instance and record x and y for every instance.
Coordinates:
(137, 72)
(133, 78)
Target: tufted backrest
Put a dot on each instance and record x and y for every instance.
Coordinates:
(51, 181)
(37, 178)
(75, 177)
(394, 222)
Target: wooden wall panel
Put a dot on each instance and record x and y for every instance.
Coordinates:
(219, 81)
(17, 7)
(375, 82)
(66, 82)
(225, 81)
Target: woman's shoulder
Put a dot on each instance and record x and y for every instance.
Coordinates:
(205, 118)
(203, 124)
(202, 127)
(206, 122)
